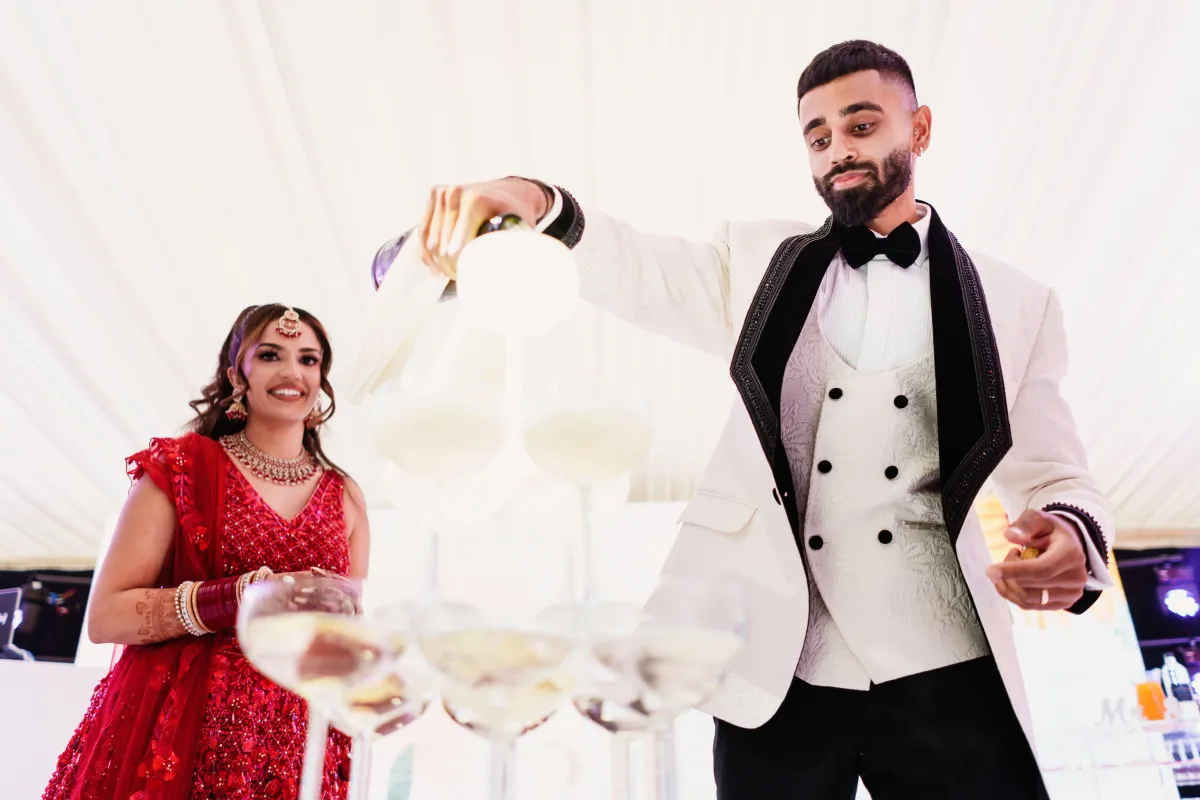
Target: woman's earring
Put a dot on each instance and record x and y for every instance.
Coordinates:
(313, 420)
(236, 411)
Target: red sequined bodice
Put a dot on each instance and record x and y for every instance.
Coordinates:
(252, 741)
(256, 536)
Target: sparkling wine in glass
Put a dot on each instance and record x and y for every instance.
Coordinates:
(501, 676)
(305, 633)
(392, 699)
(650, 664)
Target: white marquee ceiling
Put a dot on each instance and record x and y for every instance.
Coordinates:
(163, 165)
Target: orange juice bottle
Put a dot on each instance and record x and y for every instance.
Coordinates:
(1153, 701)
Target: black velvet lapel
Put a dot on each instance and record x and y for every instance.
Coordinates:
(973, 427)
(972, 413)
(772, 326)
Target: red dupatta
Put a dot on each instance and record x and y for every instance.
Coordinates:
(139, 738)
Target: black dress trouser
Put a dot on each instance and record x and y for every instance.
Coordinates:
(947, 734)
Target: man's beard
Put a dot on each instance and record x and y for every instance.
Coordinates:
(863, 203)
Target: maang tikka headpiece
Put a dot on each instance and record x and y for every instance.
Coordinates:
(289, 324)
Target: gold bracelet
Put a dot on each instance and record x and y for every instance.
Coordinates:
(183, 608)
(242, 583)
(179, 590)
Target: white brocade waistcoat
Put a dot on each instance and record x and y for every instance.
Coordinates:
(888, 598)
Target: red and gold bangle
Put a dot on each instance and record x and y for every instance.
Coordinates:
(249, 579)
(217, 604)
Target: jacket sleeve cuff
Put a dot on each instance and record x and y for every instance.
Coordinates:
(1095, 547)
(565, 220)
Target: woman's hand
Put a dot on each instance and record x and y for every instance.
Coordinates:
(335, 597)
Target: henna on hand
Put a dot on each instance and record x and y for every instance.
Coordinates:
(159, 621)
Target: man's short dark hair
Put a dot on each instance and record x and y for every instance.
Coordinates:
(855, 56)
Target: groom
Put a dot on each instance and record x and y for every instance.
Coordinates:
(885, 374)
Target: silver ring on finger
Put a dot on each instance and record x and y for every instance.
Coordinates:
(1045, 596)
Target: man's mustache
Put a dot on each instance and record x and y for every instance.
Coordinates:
(868, 168)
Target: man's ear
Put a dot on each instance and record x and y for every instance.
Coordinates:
(922, 123)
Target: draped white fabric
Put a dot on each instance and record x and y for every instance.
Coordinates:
(163, 165)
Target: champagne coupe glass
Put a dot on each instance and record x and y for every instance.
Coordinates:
(502, 673)
(651, 664)
(579, 429)
(397, 695)
(439, 433)
(305, 633)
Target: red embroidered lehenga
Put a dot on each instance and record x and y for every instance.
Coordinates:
(191, 719)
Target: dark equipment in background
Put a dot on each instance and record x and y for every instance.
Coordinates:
(52, 604)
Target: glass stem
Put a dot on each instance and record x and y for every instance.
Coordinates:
(665, 784)
(586, 565)
(433, 565)
(360, 768)
(624, 776)
(313, 772)
(514, 380)
(504, 750)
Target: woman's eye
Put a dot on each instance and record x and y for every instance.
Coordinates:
(310, 361)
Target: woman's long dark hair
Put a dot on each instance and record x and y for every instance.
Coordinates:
(217, 396)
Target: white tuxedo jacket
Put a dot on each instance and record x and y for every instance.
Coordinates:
(1000, 353)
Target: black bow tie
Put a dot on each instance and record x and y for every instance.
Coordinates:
(902, 246)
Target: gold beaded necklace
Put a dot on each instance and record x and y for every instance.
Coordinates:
(283, 471)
